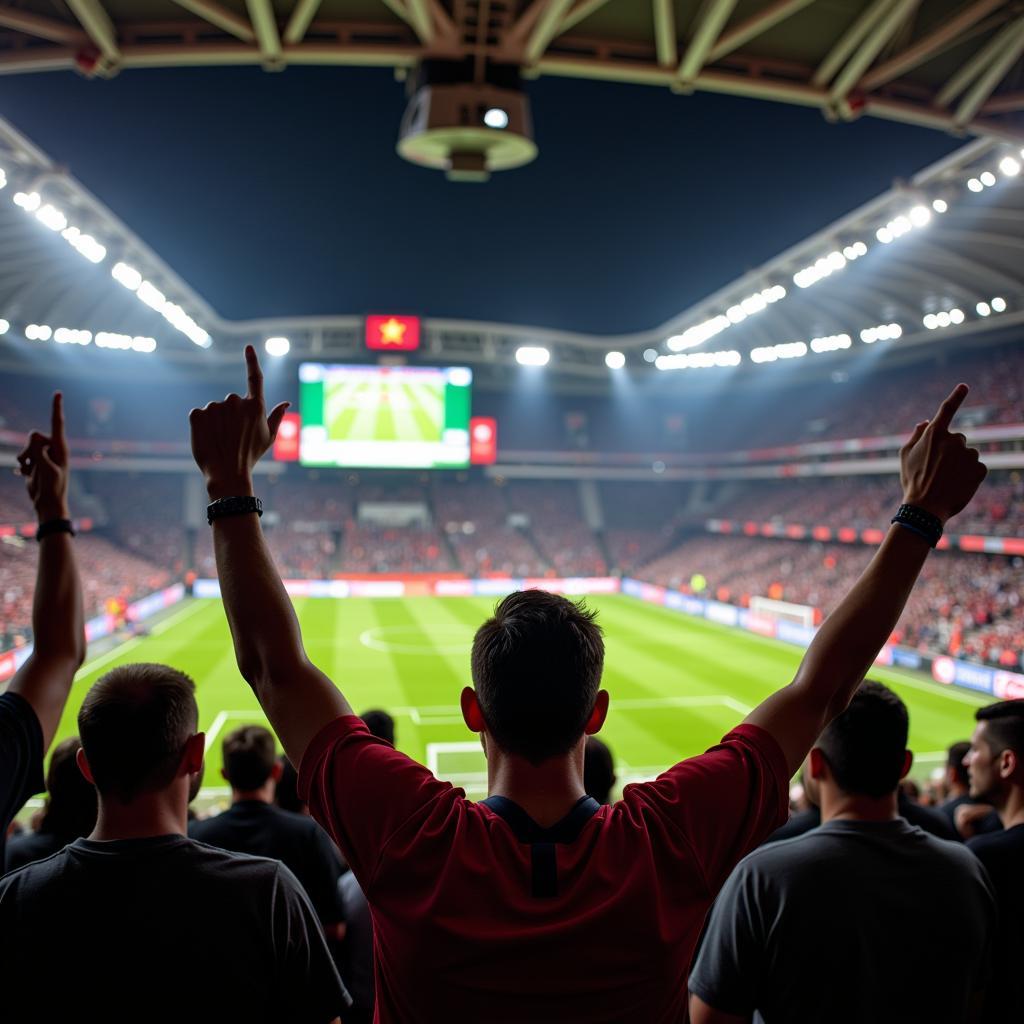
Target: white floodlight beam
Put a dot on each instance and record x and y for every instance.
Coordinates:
(532, 355)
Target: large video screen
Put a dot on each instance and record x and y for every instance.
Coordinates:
(413, 417)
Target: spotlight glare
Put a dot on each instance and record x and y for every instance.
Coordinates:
(884, 235)
(956, 316)
(650, 355)
(1009, 166)
(974, 185)
(277, 346)
(126, 275)
(532, 355)
(940, 205)
(5, 326)
(983, 309)
(999, 305)
(919, 216)
(988, 179)
(931, 321)
(496, 118)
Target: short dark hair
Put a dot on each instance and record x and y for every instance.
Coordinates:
(537, 668)
(1004, 726)
(249, 754)
(866, 745)
(381, 724)
(70, 799)
(598, 770)
(134, 724)
(955, 760)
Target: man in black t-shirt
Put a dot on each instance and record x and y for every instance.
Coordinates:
(995, 766)
(147, 903)
(30, 709)
(254, 825)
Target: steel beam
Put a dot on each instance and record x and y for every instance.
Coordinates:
(755, 26)
(882, 34)
(948, 34)
(41, 28)
(665, 32)
(848, 42)
(708, 27)
(301, 17)
(223, 18)
(264, 22)
(549, 25)
(989, 80)
(972, 68)
(98, 26)
(1008, 103)
(420, 19)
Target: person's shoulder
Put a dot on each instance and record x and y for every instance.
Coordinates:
(997, 844)
(215, 859)
(35, 874)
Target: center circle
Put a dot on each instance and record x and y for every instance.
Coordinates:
(402, 639)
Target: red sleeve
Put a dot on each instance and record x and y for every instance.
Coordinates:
(726, 801)
(362, 790)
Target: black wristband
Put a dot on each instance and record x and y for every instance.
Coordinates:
(233, 507)
(52, 526)
(918, 521)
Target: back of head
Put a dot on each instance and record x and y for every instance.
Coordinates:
(1004, 727)
(133, 725)
(866, 745)
(71, 798)
(955, 762)
(537, 669)
(598, 770)
(249, 756)
(380, 724)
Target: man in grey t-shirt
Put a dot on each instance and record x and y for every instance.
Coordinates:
(829, 926)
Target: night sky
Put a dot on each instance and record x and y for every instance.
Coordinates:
(281, 194)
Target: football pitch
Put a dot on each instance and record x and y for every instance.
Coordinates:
(677, 684)
(384, 410)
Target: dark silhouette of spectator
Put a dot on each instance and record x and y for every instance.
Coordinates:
(516, 907)
(252, 824)
(958, 787)
(31, 707)
(357, 960)
(797, 915)
(151, 902)
(70, 810)
(598, 770)
(286, 795)
(995, 767)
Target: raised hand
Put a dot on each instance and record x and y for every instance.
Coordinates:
(939, 473)
(230, 437)
(44, 461)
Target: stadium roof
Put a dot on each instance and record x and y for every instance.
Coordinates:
(938, 257)
(954, 65)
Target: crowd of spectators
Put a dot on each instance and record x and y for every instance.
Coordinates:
(558, 527)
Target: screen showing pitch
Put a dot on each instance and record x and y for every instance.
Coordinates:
(410, 417)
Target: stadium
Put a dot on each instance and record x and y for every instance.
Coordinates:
(712, 473)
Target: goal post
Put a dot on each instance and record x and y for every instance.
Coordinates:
(802, 614)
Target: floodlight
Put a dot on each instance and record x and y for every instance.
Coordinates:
(5, 326)
(51, 217)
(931, 321)
(496, 118)
(956, 316)
(615, 360)
(884, 235)
(28, 201)
(126, 275)
(987, 178)
(1009, 166)
(983, 309)
(919, 216)
(532, 355)
(974, 185)
(650, 355)
(999, 305)
(277, 346)
(940, 205)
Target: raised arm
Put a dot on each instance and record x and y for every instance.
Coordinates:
(939, 474)
(58, 629)
(228, 439)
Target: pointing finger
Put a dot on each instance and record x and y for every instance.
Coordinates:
(947, 410)
(254, 373)
(57, 443)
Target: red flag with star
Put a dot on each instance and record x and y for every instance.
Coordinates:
(393, 333)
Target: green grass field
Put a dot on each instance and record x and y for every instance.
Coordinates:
(387, 409)
(677, 684)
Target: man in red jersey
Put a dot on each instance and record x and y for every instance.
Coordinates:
(537, 904)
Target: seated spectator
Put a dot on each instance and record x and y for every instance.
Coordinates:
(70, 810)
(995, 767)
(598, 770)
(151, 903)
(357, 965)
(516, 908)
(958, 788)
(31, 707)
(252, 824)
(798, 917)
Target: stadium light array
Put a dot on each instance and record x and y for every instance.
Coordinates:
(51, 217)
(698, 360)
(615, 360)
(80, 336)
(532, 355)
(825, 266)
(277, 346)
(944, 318)
(735, 314)
(998, 305)
(71, 336)
(28, 201)
(38, 332)
(787, 350)
(883, 332)
(831, 343)
(148, 293)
